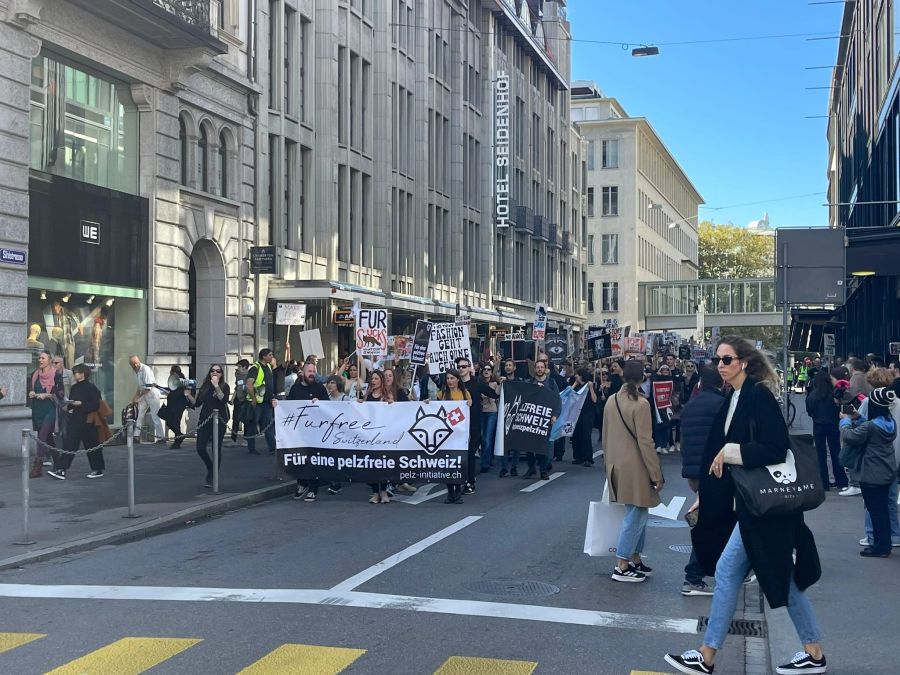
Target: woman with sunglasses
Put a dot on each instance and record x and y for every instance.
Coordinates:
(212, 398)
(488, 417)
(749, 430)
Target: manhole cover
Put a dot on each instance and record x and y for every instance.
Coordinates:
(665, 522)
(680, 548)
(742, 627)
(512, 587)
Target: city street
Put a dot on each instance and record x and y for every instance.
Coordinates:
(507, 582)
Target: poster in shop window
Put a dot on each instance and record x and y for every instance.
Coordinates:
(526, 417)
(372, 332)
(373, 442)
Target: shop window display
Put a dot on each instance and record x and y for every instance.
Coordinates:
(99, 331)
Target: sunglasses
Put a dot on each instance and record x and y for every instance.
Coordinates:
(215, 370)
(727, 360)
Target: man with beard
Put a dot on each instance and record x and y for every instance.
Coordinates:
(307, 388)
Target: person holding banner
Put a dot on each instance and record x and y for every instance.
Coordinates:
(307, 388)
(378, 393)
(454, 389)
(632, 470)
(478, 391)
(397, 394)
(488, 418)
(662, 388)
(542, 460)
(584, 427)
(510, 461)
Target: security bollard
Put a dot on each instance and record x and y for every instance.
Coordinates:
(129, 441)
(216, 451)
(26, 487)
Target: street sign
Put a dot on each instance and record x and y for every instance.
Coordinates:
(828, 339)
(11, 256)
(262, 260)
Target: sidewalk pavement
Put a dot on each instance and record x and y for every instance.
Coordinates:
(80, 513)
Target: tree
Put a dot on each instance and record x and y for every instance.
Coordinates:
(731, 252)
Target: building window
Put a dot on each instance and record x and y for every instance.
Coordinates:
(610, 298)
(342, 98)
(202, 160)
(590, 202)
(274, 8)
(590, 296)
(610, 206)
(222, 168)
(609, 249)
(183, 146)
(590, 249)
(609, 154)
(590, 155)
(288, 78)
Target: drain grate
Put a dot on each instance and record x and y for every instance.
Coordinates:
(681, 548)
(741, 627)
(512, 587)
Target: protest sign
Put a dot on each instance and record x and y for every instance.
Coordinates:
(602, 347)
(371, 332)
(402, 345)
(634, 344)
(557, 348)
(610, 323)
(617, 349)
(290, 314)
(419, 352)
(571, 402)
(449, 341)
(539, 327)
(526, 411)
(463, 319)
(311, 343)
(373, 442)
(662, 393)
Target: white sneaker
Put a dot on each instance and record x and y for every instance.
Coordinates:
(865, 541)
(850, 491)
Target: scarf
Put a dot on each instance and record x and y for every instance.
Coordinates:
(48, 379)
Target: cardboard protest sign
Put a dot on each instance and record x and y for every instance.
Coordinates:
(419, 351)
(449, 341)
(571, 402)
(662, 393)
(526, 411)
(372, 332)
(373, 442)
(539, 327)
(402, 345)
(290, 314)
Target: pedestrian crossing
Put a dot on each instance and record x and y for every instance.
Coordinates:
(135, 655)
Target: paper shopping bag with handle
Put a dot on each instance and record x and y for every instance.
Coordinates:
(603, 524)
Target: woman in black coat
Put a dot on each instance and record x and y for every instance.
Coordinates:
(749, 431)
(212, 398)
(176, 404)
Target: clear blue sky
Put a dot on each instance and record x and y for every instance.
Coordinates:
(732, 113)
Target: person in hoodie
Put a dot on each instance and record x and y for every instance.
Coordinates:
(875, 463)
(823, 410)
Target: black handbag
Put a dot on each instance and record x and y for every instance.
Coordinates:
(783, 489)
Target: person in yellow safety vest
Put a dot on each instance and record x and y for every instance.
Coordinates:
(260, 409)
(803, 374)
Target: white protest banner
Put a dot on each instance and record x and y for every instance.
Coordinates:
(290, 314)
(311, 343)
(449, 341)
(539, 327)
(372, 332)
(373, 442)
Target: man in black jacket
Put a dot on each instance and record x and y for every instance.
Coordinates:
(476, 388)
(696, 421)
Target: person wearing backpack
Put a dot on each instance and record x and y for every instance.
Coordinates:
(870, 451)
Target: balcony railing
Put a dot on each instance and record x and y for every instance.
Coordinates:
(553, 237)
(524, 219)
(194, 13)
(737, 296)
(568, 242)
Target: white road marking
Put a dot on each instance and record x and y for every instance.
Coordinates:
(671, 511)
(498, 610)
(540, 483)
(423, 494)
(386, 564)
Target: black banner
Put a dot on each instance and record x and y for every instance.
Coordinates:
(528, 413)
(419, 355)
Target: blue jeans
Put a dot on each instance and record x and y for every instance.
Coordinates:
(488, 429)
(631, 535)
(731, 571)
(258, 418)
(661, 433)
(892, 516)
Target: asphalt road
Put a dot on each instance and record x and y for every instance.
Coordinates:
(316, 587)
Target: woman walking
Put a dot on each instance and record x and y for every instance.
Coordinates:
(84, 399)
(749, 431)
(824, 411)
(584, 427)
(488, 418)
(45, 391)
(454, 389)
(176, 404)
(632, 470)
(378, 393)
(212, 399)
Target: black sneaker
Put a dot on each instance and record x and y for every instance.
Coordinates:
(630, 575)
(59, 474)
(301, 492)
(545, 475)
(95, 474)
(689, 662)
(700, 588)
(643, 569)
(802, 663)
(503, 473)
(310, 496)
(867, 552)
(334, 489)
(468, 489)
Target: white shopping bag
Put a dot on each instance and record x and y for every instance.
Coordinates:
(603, 525)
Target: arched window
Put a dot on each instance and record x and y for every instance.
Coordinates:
(183, 144)
(202, 161)
(223, 164)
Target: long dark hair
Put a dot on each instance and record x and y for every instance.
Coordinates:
(633, 374)
(822, 386)
(207, 381)
(758, 366)
(445, 388)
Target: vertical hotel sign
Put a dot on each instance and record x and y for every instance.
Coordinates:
(501, 149)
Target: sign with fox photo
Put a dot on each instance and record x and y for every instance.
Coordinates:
(373, 442)
(372, 332)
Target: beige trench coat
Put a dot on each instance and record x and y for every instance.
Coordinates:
(630, 467)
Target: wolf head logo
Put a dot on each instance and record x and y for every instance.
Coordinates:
(431, 430)
(509, 412)
(786, 472)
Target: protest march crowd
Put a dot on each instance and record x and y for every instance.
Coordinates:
(454, 420)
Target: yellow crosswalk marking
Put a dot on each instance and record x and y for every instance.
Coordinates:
(128, 656)
(12, 640)
(306, 659)
(469, 665)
